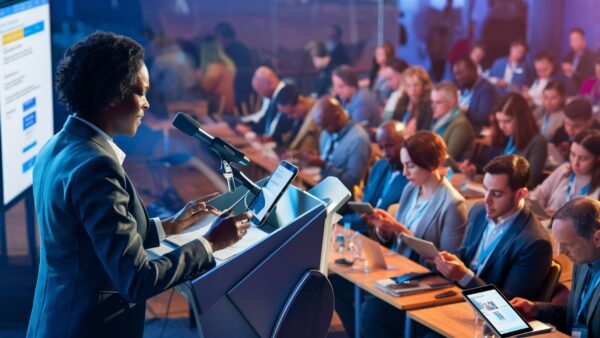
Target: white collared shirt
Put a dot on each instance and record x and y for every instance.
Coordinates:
(118, 152)
(266, 102)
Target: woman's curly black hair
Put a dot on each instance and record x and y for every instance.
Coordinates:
(96, 71)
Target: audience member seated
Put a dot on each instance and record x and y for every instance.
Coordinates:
(430, 208)
(477, 54)
(579, 177)
(336, 47)
(344, 145)
(477, 95)
(241, 57)
(504, 244)
(590, 89)
(450, 122)
(216, 76)
(414, 107)
(546, 71)
(268, 123)
(550, 115)
(392, 73)
(514, 132)
(304, 133)
(172, 71)
(576, 229)
(578, 117)
(513, 72)
(384, 53)
(386, 180)
(361, 103)
(578, 64)
(322, 62)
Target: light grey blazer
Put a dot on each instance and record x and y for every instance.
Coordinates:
(443, 223)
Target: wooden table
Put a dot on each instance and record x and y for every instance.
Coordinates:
(366, 282)
(455, 320)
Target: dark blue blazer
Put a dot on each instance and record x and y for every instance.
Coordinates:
(570, 86)
(585, 67)
(522, 76)
(373, 191)
(284, 125)
(520, 262)
(483, 101)
(94, 274)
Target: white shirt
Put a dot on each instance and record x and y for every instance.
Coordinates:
(536, 90)
(118, 152)
(508, 73)
(266, 101)
(390, 105)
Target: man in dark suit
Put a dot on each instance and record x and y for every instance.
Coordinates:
(477, 95)
(504, 245)
(386, 181)
(578, 117)
(576, 228)
(336, 47)
(322, 62)
(578, 64)
(94, 274)
(546, 71)
(268, 123)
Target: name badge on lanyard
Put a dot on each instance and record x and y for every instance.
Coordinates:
(579, 327)
(584, 191)
(579, 331)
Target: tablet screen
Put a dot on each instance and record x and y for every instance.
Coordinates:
(497, 311)
(272, 191)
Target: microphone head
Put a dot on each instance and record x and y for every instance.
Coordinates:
(186, 124)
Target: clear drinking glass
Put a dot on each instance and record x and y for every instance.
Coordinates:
(482, 330)
(350, 249)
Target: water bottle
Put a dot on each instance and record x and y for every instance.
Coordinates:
(340, 239)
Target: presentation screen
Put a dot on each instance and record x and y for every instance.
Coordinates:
(26, 115)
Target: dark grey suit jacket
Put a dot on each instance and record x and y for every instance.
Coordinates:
(520, 262)
(563, 315)
(94, 274)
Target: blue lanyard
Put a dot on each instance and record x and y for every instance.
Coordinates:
(335, 138)
(415, 215)
(449, 173)
(546, 121)
(584, 191)
(406, 118)
(485, 252)
(588, 294)
(443, 127)
(510, 146)
(465, 97)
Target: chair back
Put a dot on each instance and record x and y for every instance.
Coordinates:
(547, 290)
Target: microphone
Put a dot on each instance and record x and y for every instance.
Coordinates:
(191, 127)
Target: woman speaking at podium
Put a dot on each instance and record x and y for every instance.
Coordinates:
(94, 275)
